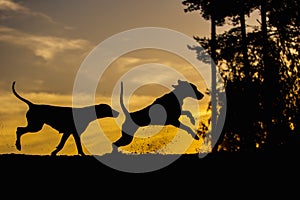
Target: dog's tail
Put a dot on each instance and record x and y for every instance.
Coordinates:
(18, 96)
(122, 101)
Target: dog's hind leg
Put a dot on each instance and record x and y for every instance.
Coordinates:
(78, 144)
(124, 140)
(61, 144)
(128, 130)
(33, 126)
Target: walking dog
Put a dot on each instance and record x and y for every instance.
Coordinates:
(61, 119)
(165, 110)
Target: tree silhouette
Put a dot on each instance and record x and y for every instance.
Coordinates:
(282, 71)
(210, 11)
(260, 69)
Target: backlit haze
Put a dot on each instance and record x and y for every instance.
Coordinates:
(42, 45)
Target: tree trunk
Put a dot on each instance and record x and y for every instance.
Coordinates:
(267, 84)
(214, 87)
(275, 131)
(264, 32)
(247, 134)
(244, 44)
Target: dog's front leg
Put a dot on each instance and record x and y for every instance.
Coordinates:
(61, 144)
(189, 130)
(189, 115)
(78, 144)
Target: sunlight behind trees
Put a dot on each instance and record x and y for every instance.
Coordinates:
(260, 66)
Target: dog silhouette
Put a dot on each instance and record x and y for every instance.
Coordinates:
(165, 110)
(61, 119)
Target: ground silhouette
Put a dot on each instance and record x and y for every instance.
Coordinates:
(228, 175)
(213, 165)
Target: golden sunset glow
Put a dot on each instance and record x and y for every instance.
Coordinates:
(148, 139)
(43, 45)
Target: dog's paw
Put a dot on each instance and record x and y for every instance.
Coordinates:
(18, 145)
(53, 153)
(81, 154)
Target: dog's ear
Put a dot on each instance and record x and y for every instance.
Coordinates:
(179, 81)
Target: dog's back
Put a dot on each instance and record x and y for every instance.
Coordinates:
(166, 110)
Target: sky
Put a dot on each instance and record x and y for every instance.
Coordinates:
(51, 38)
(43, 44)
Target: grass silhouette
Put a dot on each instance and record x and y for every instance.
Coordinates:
(224, 163)
(222, 172)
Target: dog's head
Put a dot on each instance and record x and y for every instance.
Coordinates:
(188, 90)
(104, 110)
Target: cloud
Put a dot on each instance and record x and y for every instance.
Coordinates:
(45, 47)
(12, 6)
(9, 6)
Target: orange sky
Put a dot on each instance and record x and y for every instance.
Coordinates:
(43, 44)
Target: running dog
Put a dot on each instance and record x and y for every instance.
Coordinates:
(61, 119)
(165, 110)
